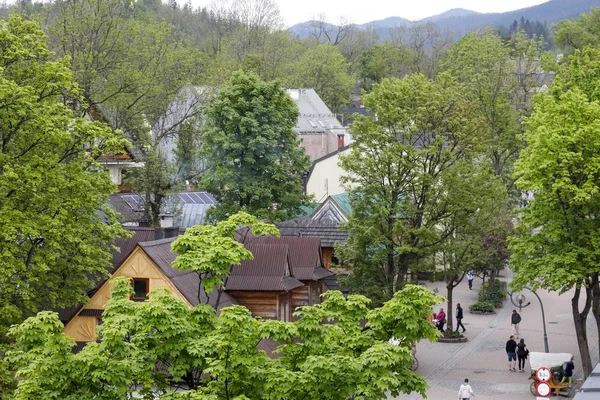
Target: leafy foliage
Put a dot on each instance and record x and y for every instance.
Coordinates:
(492, 294)
(558, 235)
(483, 306)
(324, 69)
(254, 160)
(211, 250)
(216, 356)
(51, 188)
(412, 178)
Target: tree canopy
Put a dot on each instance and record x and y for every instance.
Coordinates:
(412, 175)
(557, 246)
(56, 228)
(253, 157)
(160, 348)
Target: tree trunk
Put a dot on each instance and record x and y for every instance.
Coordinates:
(491, 281)
(449, 318)
(596, 304)
(580, 320)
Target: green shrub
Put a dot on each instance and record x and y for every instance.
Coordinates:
(483, 306)
(453, 334)
(495, 296)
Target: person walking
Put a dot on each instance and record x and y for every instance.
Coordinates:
(522, 353)
(441, 320)
(459, 317)
(515, 319)
(465, 392)
(511, 351)
(470, 277)
(569, 367)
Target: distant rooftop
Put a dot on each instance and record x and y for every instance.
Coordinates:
(315, 116)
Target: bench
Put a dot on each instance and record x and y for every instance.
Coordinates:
(557, 386)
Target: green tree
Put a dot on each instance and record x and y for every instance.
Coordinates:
(253, 157)
(384, 61)
(481, 62)
(557, 245)
(131, 70)
(216, 356)
(51, 189)
(475, 243)
(575, 35)
(426, 43)
(401, 171)
(324, 69)
(211, 250)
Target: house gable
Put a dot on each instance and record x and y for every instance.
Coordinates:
(330, 210)
(82, 327)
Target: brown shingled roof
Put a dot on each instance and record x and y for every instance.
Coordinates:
(268, 271)
(305, 255)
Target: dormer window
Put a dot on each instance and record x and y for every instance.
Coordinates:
(140, 289)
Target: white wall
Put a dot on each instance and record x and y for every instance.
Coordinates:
(325, 178)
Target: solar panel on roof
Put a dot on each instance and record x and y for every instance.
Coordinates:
(186, 198)
(135, 201)
(197, 198)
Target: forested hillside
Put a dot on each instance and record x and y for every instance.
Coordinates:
(460, 21)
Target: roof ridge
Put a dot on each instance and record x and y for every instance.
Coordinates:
(157, 242)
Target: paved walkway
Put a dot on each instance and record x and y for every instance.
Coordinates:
(483, 358)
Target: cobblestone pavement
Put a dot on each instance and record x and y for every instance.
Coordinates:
(483, 358)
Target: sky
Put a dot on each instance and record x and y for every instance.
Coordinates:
(359, 12)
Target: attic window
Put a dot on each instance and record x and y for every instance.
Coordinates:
(140, 289)
(322, 123)
(312, 123)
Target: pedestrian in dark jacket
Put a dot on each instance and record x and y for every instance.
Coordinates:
(511, 351)
(522, 353)
(569, 367)
(459, 317)
(515, 319)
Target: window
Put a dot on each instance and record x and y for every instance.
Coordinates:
(140, 289)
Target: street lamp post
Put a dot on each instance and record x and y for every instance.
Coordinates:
(520, 300)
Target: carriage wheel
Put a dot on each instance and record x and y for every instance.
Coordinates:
(533, 389)
(415, 364)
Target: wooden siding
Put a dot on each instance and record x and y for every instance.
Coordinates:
(300, 297)
(137, 265)
(268, 305)
(327, 256)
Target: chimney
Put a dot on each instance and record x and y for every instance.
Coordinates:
(340, 140)
(166, 220)
(188, 187)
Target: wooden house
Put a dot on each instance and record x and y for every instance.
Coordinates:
(307, 264)
(149, 267)
(323, 222)
(265, 284)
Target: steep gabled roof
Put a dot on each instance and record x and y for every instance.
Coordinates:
(187, 282)
(122, 248)
(269, 270)
(304, 253)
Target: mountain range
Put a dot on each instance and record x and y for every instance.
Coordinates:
(460, 21)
